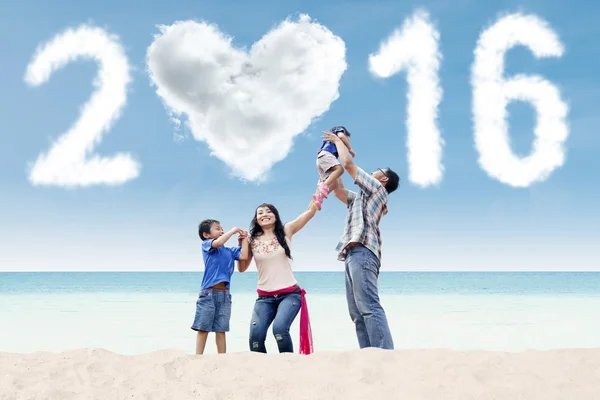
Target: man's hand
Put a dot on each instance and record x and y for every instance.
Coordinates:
(331, 137)
(353, 153)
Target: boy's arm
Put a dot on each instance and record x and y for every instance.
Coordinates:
(225, 237)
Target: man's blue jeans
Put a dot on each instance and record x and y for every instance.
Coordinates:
(280, 311)
(362, 295)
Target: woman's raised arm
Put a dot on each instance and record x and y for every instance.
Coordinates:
(292, 227)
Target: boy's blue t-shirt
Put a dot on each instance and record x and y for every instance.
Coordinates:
(218, 263)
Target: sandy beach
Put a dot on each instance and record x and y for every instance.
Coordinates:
(359, 374)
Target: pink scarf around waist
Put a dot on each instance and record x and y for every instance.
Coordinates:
(306, 343)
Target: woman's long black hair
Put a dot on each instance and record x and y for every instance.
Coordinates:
(255, 228)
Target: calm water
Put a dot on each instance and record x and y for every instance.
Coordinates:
(510, 283)
(133, 313)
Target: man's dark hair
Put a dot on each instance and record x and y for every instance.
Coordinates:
(393, 180)
(204, 227)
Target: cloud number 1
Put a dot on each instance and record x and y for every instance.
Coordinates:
(415, 48)
(70, 161)
(492, 92)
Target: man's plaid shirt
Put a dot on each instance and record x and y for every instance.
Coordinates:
(365, 210)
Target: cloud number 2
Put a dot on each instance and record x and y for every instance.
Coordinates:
(70, 161)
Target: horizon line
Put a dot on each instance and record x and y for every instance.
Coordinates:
(308, 271)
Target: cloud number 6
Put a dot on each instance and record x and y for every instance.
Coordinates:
(492, 93)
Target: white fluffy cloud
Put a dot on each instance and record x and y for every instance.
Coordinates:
(247, 105)
(492, 92)
(71, 161)
(414, 48)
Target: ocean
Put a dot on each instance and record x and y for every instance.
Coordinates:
(139, 312)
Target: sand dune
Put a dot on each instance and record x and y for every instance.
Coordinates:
(361, 374)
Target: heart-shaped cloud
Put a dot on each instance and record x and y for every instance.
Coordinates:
(247, 106)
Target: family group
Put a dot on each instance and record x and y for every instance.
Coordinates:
(269, 242)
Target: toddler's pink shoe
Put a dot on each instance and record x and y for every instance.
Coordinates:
(323, 189)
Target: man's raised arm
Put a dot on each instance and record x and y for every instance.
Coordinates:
(344, 195)
(345, 156)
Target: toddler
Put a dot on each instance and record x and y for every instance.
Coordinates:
(329, 166)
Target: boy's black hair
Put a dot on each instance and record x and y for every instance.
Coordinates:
(204, 227)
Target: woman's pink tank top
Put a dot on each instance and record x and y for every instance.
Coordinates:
(274, 267)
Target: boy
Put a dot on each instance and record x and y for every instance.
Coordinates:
(328, 165)
(213, 307)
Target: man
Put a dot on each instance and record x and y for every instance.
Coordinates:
(360, 246)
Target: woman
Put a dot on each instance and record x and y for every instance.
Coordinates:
(279, 296)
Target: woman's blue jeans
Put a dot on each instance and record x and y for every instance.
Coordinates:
(280, 310)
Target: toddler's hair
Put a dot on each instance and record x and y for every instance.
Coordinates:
(337, 129)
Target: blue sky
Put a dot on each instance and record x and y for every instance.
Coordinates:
(470, 221)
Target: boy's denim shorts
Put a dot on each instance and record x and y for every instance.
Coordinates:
(213, 311)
